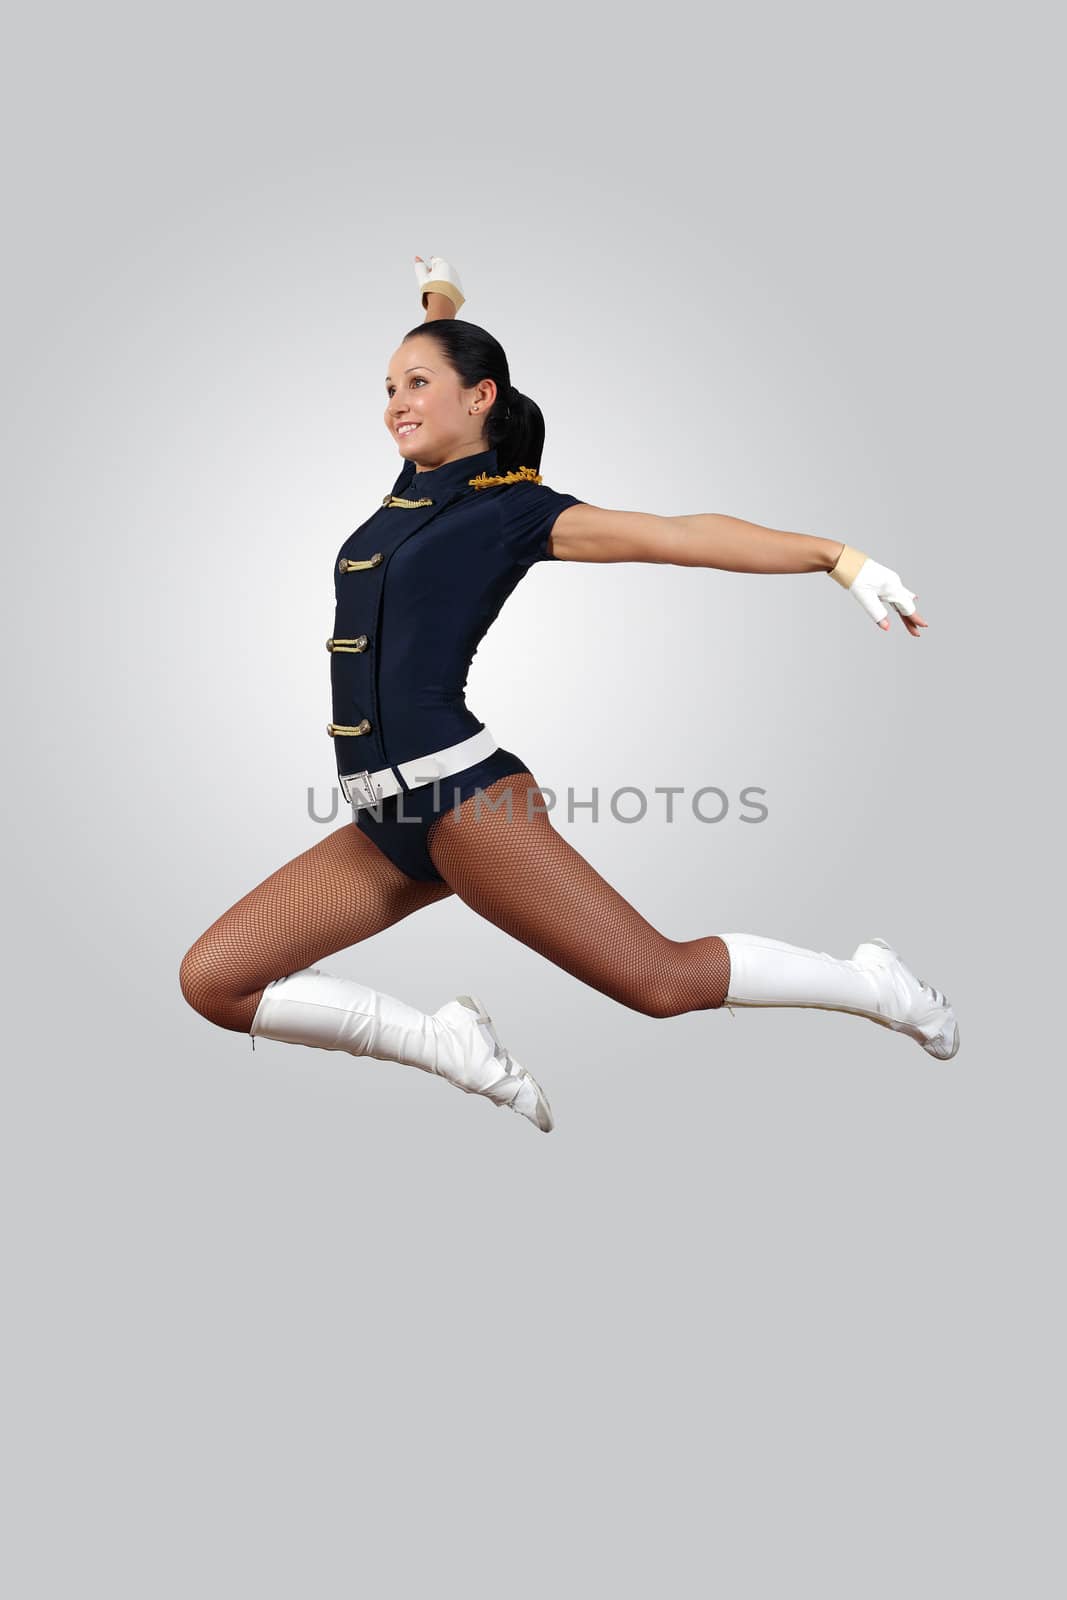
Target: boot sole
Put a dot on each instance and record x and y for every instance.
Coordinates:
(852, 1011)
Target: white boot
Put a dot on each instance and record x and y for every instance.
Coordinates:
(457, 1042)
(875, 984)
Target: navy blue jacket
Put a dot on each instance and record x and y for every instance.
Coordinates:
(417, 587)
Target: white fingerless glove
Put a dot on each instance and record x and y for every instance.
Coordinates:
(871, 584)
(436, 274)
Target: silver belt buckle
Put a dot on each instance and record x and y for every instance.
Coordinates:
(360, 789)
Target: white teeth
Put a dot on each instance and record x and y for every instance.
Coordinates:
(408, 427)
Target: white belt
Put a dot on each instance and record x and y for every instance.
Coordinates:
(367, 788)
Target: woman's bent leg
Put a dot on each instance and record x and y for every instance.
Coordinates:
(339, 892)
(251, 972)
(518, 872)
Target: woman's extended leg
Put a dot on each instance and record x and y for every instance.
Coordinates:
(500, 853)
(517, 871)
(250, 972)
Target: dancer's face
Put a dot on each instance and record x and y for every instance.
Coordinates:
(422, 388)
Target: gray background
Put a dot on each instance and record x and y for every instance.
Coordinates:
(776, 1309)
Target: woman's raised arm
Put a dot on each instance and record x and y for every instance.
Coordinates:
(439, 287)
(438, 306)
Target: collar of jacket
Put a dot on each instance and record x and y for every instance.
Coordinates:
(440, 481)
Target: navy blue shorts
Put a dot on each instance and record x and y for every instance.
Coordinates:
(403, 838)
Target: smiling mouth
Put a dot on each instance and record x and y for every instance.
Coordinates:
(408, 427)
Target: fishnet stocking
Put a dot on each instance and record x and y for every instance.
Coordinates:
(516, 871)
(340, 891)
(522, 875)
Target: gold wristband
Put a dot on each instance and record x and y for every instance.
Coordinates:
(442, 286)
(847, 566)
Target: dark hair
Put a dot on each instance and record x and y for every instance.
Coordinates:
(514, 426)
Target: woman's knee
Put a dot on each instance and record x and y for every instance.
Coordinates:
(672, 986)
(205, 987)
(197, 980)
(659, 1001)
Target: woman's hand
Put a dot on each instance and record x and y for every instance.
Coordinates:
(439, 287)
(871, 584)
(912, 623)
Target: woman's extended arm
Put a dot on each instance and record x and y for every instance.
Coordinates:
(589, 533)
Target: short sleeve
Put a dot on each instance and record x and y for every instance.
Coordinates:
(527, 513)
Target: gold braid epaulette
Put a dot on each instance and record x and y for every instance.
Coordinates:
(482, 481)
(520, 474)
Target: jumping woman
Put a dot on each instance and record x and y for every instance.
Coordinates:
(439, 808)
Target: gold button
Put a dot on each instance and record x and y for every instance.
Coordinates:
(349, 646)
